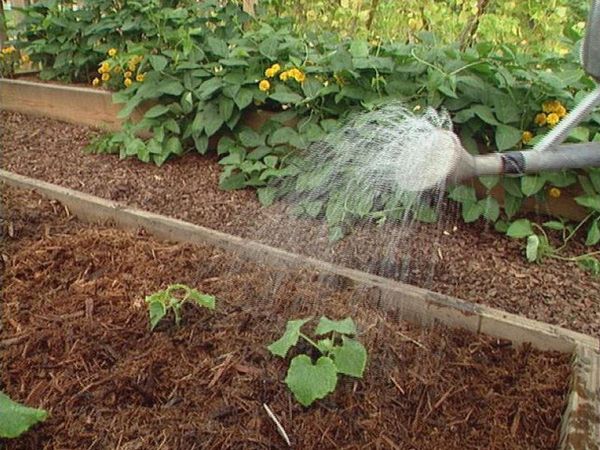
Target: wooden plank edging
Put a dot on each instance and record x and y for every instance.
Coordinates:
(580, 428)
(415, 304)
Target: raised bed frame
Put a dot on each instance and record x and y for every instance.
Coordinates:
(581, 420)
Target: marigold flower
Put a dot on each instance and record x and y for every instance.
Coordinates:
(127, 74)
(96, 81)
(298, 75)
(112, 52)
(550, 106)
(554, 192)
(117, 69)
(24, 58)
(540, 119)
(283, 76)
(526, 136)
(140, 77)
(552, 119)
(264, 85)
(104, 68)
(128, 82)
(270, 73)
(105, 76)
(561, 111)
(8, 50)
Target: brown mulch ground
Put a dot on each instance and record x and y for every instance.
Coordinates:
(75, 340)
(471, 262)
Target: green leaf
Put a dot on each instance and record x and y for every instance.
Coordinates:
(266, 195)
(250, 138)
(590, 263)
(593, 236)
(485, 113)
(589, 201)
(15, 419)
(554, 225)
(243, 98)
(471, 211)
(532, 184)
(158, 62)
(217, 46)
(350, 358)
(157, 310)
(233, 182)
(520, 228)
(170, 87)
(173, 146)
(283, 135)
(512, 204)
(269, 48)
(309, 382)
(290, 337)
(507, 137)
(359, 48)
(463, 194)
(489, 181)
(345, 326)
(225, 108)
(209, 87)
(533, 243)
(156, 111)
(212, 120)
(335, 233)
(285, 97)
(491, 208)
(200, 299)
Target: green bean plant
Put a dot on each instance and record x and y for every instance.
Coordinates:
(172, 299)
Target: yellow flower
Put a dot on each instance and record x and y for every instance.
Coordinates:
(283, 76)
(131, 66)
(299, 75)
(526, 137)
(552, 119)
(554, 192)
(264, 85)
(140, 77)
(540, 119)
(561, 111)
(105, 76)
(117, 69)
(112, 52)
(104, 68)
(127, 82)
(8, 50)
(127, 74)
(549, 106)
(96, 81)
(272, 71)
(24, 58)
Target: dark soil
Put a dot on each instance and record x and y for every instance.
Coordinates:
(75, 341)
(468, 261)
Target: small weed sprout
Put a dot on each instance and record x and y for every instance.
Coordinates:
(172, 299)
(339, 354)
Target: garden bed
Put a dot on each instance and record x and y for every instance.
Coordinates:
(75, 340)
(465, 261)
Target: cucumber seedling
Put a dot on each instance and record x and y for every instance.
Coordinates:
(172, 299)
(339, 352)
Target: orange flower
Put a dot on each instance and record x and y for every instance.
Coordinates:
(540, 119)
(526, 137)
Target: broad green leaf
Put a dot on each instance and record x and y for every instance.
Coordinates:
(266, 195)
(507, 137)
(512, 186)
(593, 236)
(463, 194)
(212, 120)
(350, 358)
(325, 345)
(156, 111)
(309, 382)
(554, 225)
(269, 48)
(590, 263)
(232, 182)
(157, 311)
(15, 419)
(345, 326)
(520, 228)
(485, 113)
(243, 98)
(217, 46)
(173, 146)
(491, 208)
(200, 299)
(489, 181)
(290, 337)
(209, 87)
(579, 134)
(225, 108)
(286, 97)
(359, 48)
(589, 201)
(283, 135)
(335, 233)
(533, 243)
(471, 211)
(532, 184)
(250, 138)
(158, 62)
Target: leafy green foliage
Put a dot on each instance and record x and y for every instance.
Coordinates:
(340, 354)
(15, 419)
(172, 299)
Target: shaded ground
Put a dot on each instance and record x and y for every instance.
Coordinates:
(75, 340)
(471, 262)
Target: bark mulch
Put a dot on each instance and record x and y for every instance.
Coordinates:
(75, 340)
(468, 261)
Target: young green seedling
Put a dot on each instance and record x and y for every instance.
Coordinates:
(340, 354)
(172, 299)
(15, 418)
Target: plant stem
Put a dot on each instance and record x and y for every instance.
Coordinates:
(310, 341)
